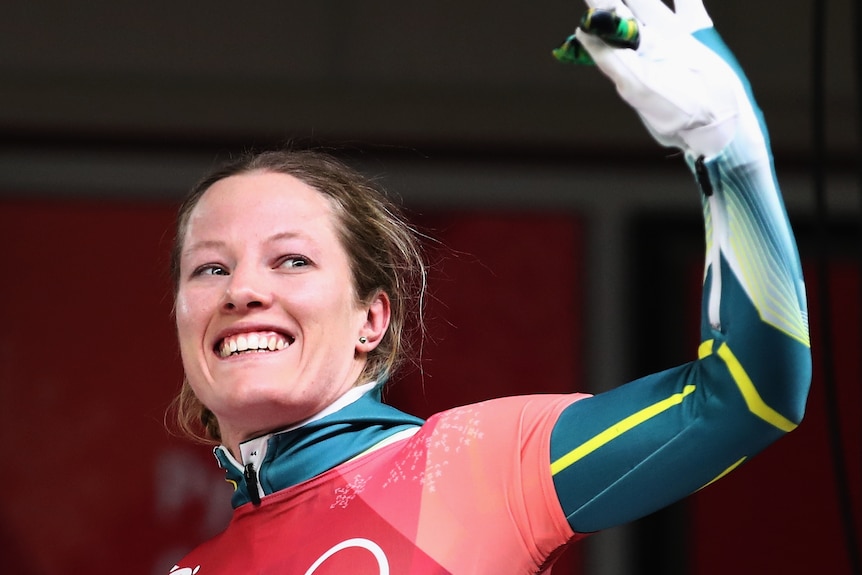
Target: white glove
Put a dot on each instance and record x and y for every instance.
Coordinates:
(687, 95)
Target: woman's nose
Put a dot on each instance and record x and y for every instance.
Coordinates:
(247, 290)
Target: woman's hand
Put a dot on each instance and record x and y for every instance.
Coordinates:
(671, 67)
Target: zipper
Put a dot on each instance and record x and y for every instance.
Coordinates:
(253, 453)
(702, 175)
(251, 484)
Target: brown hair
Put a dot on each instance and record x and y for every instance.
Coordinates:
(384, 251)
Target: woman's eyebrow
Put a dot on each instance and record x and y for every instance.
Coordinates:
(287, 235)
(203, 244)
(217, 244)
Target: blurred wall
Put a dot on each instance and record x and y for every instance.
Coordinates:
(462, 73)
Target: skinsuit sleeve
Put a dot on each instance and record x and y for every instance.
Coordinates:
(623, 454)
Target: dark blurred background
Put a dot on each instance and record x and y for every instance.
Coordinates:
(572, 252)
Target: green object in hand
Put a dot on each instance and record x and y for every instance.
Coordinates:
(610, 27)
(605, 24)
(571, 52)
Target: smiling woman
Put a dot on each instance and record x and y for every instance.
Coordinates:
(362, 229)
(296, 283)
(263, 258)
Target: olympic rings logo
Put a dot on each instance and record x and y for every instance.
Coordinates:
(372, 547)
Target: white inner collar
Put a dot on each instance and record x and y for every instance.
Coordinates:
(253, 450)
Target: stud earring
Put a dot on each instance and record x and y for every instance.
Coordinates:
(363, 339)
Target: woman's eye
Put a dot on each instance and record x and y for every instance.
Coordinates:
(211, 270)
(291, 262)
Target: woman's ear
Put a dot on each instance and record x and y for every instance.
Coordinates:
(378, 312)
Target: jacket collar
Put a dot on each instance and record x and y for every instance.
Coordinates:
(353, 424)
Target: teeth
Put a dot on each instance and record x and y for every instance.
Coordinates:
(252, 342)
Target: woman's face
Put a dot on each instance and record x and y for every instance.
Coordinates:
(267, 316)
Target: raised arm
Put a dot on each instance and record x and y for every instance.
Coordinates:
(628, 452)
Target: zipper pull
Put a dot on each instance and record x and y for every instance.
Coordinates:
(703, 176)
(251, 484)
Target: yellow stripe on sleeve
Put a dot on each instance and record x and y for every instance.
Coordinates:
(705, 349)
(755, 403)
(725, 472)
(618, 429)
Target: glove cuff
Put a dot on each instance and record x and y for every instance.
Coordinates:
(710, 140)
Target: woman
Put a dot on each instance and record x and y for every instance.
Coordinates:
(295, 281)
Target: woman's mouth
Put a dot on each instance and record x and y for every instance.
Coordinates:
(256, 342)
